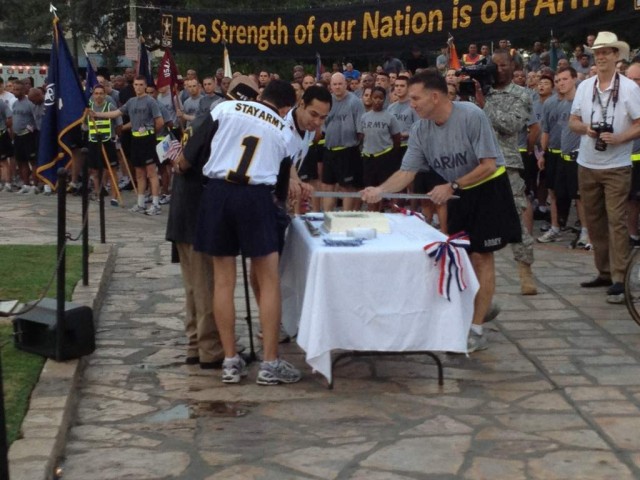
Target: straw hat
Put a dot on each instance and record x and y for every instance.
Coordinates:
(610, 40)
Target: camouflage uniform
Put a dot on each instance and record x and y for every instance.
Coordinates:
(509, 110)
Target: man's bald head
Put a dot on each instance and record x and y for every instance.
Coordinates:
(338, 85)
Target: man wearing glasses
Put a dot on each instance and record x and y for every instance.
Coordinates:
(606, 113)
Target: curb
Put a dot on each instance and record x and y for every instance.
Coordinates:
(35, 455)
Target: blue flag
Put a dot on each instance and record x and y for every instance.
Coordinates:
(64, 108)
(144, 68)
(92, 80)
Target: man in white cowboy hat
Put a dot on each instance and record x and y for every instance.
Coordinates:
(606, 113)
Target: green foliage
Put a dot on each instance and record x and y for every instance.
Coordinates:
(25, 270)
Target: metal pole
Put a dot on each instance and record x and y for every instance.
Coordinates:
(248, 306)
(4, 442)
(85, 217)
(103, 236)
(62, 237)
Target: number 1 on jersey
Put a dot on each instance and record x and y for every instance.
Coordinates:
(239, 175)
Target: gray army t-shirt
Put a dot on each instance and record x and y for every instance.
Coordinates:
(378, 129)
(406, 115)
(24, 116)
(550, 116)
(454, 148)
(5, 113)
(142, 111)
(341, 126)
(569, 140)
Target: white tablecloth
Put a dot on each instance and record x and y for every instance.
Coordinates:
(380, 296)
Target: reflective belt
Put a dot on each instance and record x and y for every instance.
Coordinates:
(635, 157)
(567, 157)
(146, 133)
(556, 151)
(496, 174)
(386, 150)
(337, 149)
(23, 133)
(522, 150)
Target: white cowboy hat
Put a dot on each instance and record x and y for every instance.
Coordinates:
(610, 40)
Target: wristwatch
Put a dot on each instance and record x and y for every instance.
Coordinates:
(455, 186)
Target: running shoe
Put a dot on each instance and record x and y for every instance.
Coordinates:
(273, 373)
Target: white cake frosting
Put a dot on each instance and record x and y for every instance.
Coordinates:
(340, 222)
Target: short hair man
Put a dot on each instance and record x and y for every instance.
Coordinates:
(342, 165)
(508, 107)
(485, 208)
(606, 113)
(244, 143)
(146, 119)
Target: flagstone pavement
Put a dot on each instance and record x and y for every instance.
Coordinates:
(556, 396)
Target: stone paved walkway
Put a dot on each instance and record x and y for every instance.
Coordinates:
(557, 395)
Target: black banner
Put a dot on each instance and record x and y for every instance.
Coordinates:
(372, 28)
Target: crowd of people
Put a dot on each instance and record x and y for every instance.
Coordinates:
(544, 133)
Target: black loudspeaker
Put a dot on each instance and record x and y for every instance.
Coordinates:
(36, 331)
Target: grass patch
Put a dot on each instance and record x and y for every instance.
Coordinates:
(25, 271)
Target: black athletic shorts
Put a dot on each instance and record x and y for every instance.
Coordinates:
(237, 219)
(566, 186)
(530, 173)
(6, 147)
(634, 194)
(74, 139)
(25, 147)
(376, 170)
(309, 169)
(143, 151)
(550, 167)
(424, 182)
(488, 214)
(343, 167)
(95, 157)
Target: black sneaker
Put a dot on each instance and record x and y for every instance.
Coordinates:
(597, 282)
(615, 293)
(634, 243)
(616, 289)
(540, 215)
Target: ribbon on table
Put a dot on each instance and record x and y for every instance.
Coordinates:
(410, 213)
(446, 255)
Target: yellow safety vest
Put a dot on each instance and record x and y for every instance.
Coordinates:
(100, 128)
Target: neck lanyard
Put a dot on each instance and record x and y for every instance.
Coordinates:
(613, 95)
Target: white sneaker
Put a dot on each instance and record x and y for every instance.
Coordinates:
(584, 241)
(549, 236)
(153, 210)
(165, 199)
(24, 190)
(234, 369)
(137, 209)
(47, 190)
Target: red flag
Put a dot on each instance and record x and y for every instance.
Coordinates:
(167, 72)
(454, 61)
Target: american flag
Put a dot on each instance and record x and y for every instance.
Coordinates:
(175, 149)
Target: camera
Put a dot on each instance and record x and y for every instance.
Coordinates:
(602, 127)
(484, 74)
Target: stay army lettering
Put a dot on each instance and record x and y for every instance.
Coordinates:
(453, 161)
(260, 114)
